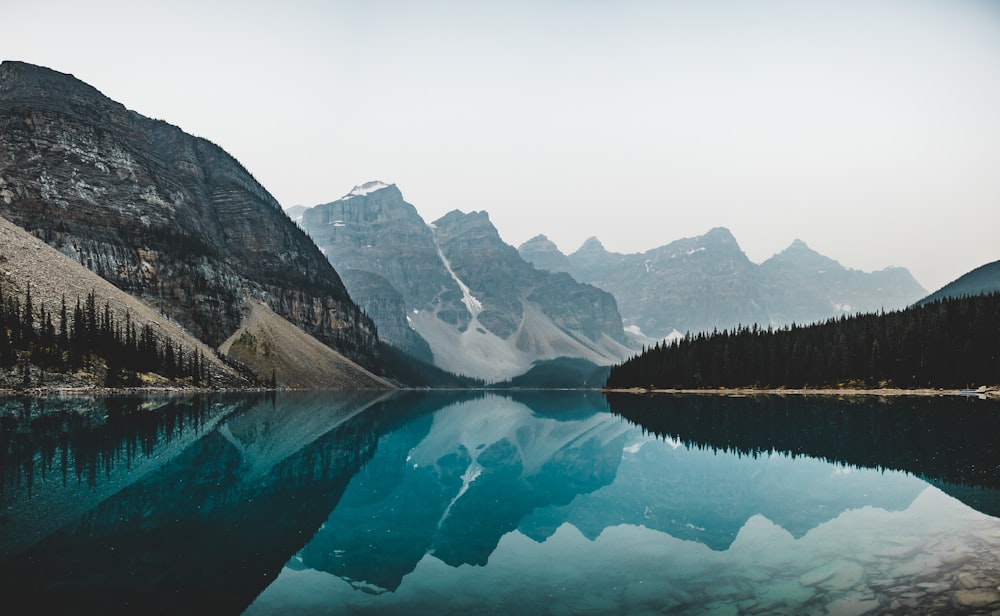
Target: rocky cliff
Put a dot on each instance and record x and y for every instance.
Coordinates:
(165, 216)
(707, 282)
(477, 306)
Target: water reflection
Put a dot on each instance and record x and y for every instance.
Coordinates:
(949, 442)
(201, 517)
(438, 502)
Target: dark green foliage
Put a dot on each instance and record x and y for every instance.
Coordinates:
(559, 373)
(949, 343)
(939, 437)
(412, 372)
(29, 340)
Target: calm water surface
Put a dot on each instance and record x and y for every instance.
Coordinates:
(556, 503)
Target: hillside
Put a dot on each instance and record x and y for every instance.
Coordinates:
(984, 279)
(26, 260)
(170, 218)
(270, 345)
(951, 343)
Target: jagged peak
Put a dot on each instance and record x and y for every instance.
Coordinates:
(456, 216)
(803, 256)
(367, 188)
(798, 245)
(592, 244)
(539, 242)
(719, 234)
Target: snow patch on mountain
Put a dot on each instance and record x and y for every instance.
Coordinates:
(475, 351)
(366, 189)
(473, 305)
(478, 352)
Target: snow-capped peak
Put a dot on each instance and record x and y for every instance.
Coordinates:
(366, 188)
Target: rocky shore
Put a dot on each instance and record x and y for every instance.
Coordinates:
(981, 392)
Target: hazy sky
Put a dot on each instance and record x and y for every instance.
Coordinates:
(870, 129)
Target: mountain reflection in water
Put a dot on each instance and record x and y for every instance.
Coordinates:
(430, 502)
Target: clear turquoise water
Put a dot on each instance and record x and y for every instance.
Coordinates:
(557, 503)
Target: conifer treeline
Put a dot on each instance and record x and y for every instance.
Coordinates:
(937, 437)
(29, 337)
(950, 343)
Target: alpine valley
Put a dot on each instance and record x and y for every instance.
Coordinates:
(169, 231)
(454, 293)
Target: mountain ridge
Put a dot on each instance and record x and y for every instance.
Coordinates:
(165, 216)
(978, 281)
(479, 307)
(707, 282)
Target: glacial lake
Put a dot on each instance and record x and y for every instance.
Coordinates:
(499, 503)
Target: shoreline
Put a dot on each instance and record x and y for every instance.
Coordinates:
(41, 392)
(981, 392)
(991, 392)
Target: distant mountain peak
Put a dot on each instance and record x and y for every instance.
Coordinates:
(480, 218)
(801, 256)
(719, 234)
(592, 244)
(542, 252)
(366, 189)
(540, 242)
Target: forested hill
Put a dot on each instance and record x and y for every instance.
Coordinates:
(951, 343)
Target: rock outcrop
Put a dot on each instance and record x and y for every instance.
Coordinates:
(167, 217)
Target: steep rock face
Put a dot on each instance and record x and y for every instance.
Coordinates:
(373, 231)
(707, 282)
(161, 214)
(480, 307)
(385, 305)
(495, 273)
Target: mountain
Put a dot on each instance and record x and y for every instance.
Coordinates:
(267, 343)
(804, 286)
(980, 281)
(28, 263)
(542, 252)
(708, 282)
(167, 217)
(469, 301)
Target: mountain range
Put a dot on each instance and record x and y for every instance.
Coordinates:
(454, 293)
(707, 282)
(175, 223)
(424, 284)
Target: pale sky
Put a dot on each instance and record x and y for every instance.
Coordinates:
(870, 129)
